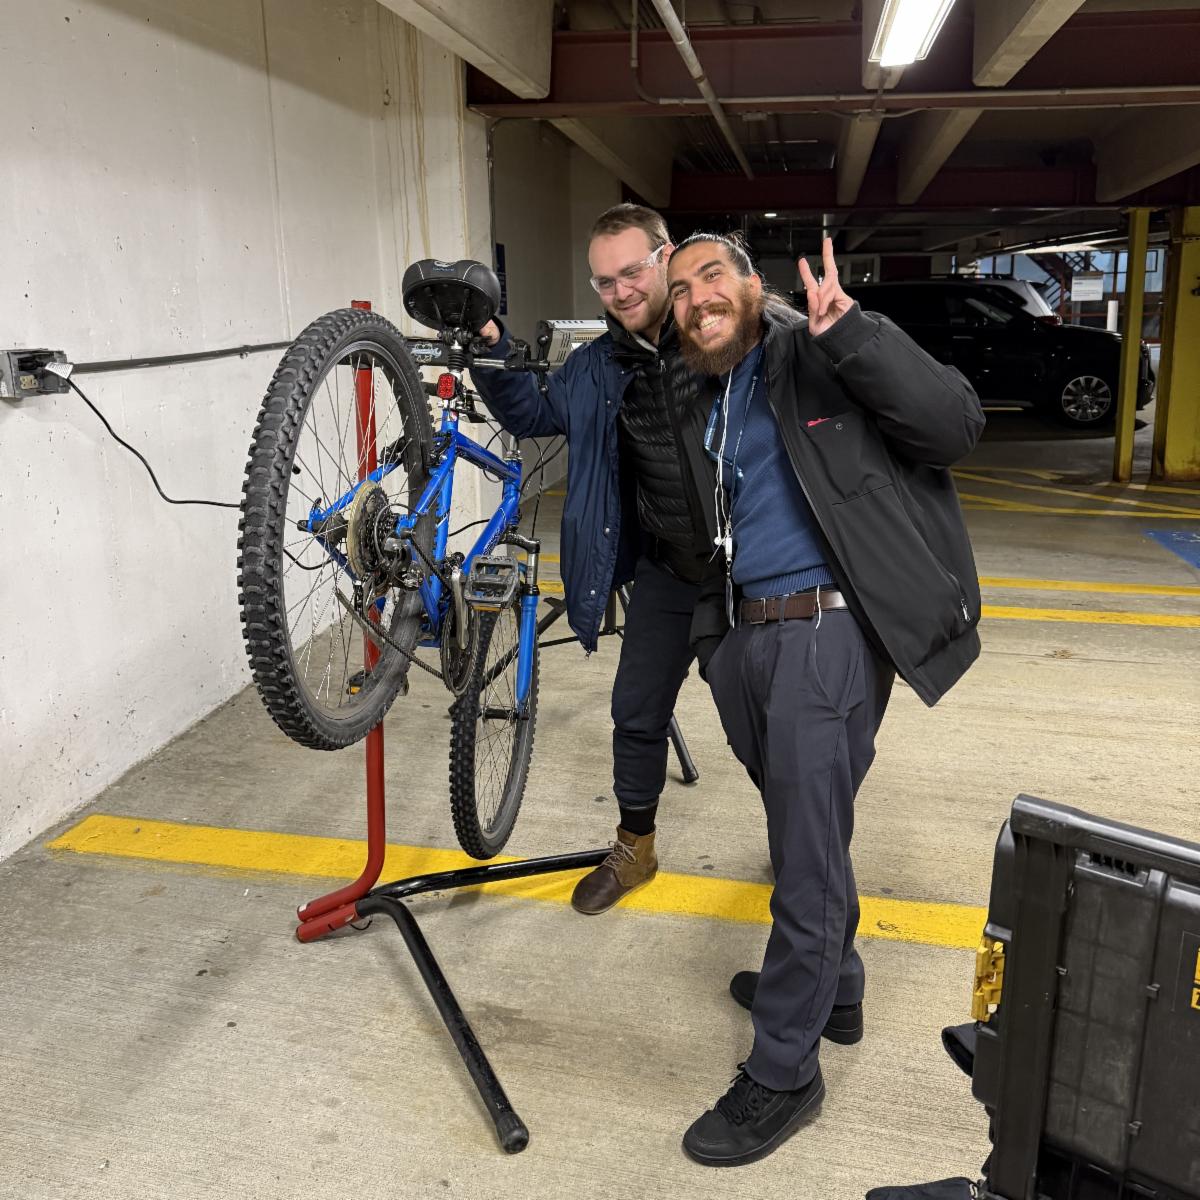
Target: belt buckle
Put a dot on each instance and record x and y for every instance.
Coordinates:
(750, 620)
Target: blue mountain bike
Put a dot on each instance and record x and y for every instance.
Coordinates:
(344, 569)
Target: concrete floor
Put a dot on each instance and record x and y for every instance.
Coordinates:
(165, 1035)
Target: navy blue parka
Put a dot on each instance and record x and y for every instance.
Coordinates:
(582, 400)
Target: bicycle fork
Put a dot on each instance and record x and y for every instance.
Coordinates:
(527, 631)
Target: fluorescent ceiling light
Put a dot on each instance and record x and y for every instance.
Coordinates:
(907, 29)
(1095, 240)
(771, 214)
(1054, 248)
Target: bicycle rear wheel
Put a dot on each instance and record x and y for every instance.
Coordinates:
(491, 742)
(346, 400)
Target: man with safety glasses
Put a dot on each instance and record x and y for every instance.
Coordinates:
(634, 419)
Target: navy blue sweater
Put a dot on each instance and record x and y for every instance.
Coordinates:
(776, 548)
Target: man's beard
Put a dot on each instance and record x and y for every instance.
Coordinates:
(716, 360)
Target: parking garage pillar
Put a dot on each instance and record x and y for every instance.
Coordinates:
(1131, 343)
(1176, 454)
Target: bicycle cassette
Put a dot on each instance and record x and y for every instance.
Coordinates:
(369, 520)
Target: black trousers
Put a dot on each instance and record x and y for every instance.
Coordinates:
(655, 657)
(801, 702)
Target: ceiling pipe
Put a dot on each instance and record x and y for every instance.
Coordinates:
(987, 98)
(684, 46)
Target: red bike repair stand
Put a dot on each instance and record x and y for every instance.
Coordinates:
(362, 898)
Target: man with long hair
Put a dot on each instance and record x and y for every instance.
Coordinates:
(637, 484)
(846, 562)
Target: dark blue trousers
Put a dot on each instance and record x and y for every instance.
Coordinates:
(655, 657)
(801, 702)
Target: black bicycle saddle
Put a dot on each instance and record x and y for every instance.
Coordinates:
(458, 295)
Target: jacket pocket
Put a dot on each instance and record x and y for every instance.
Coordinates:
(851, 452)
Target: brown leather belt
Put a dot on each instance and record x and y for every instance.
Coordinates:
(799, 607)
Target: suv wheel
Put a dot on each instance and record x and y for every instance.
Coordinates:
(1083, 401)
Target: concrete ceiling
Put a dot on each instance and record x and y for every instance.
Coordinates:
(1058, 112)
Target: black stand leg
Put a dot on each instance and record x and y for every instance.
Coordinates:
(686, 765)
(386, 900)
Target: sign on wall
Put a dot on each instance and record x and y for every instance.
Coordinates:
(1087, 287)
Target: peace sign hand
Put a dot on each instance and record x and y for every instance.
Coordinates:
(827, 303)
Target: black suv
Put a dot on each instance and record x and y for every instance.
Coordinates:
(1068, 373)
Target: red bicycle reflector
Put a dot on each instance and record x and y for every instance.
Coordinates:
(447, 386)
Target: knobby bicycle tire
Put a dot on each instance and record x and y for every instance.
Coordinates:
(489, 773)
(292, 470)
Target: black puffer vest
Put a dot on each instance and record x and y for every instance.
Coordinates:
(663, 415)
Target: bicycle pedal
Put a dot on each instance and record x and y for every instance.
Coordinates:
(492, 582)
(358, 681)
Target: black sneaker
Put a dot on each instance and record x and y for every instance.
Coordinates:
(750, 1121)
(845, 1024)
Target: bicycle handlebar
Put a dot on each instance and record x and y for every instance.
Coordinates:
(430, 353)
(556, 340)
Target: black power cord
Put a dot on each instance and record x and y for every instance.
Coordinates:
(543, 461)
(141, 458)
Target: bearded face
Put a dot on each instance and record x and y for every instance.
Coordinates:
(718, 311)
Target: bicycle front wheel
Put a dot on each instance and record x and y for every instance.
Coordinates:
(340, 453)
(491, 740)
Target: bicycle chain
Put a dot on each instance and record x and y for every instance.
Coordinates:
(376, 634)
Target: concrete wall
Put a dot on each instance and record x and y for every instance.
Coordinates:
(593, 189)
(547, 194)
(193, 174)
(532, 188)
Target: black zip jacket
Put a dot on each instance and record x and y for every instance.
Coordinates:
(872, 424)
(662, 419)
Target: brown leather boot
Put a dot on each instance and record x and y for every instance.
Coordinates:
(631, 865)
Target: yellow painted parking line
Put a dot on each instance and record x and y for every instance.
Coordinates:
(994, 504)
(1090, 616)
(1170, 489)
(1166, 489)
(957, 926)
(1152, 507)
(1030, 471)
(1086, 585)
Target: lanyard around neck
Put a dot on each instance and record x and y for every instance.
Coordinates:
(721, 410)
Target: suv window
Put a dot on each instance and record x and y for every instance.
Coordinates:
(973, 311)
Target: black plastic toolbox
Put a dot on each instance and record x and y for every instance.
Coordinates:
(1089, 1060)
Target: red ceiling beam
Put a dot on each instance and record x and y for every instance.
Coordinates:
(816, 65)
(992, 189)
(1055, 187)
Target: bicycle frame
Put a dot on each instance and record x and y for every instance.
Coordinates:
(437, 498)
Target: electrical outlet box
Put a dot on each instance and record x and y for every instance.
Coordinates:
(23, 373)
